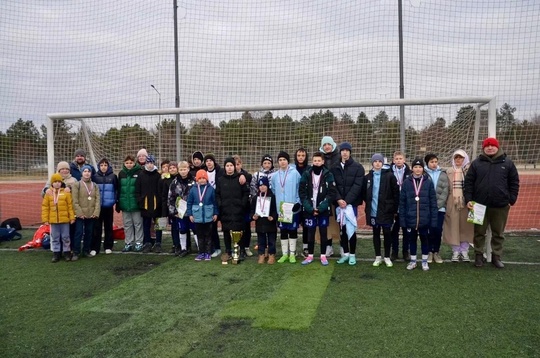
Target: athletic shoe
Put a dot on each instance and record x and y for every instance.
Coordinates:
(248, 252)
(437, 258)
(216, 253)
(388, 262)
(455, 256)
(324, 261)
(425, 266)
(157, 248)
(282, 259)
(352, 260)
(329, 251)
(292, 259)
(465, 256)
(411, 265)
(75, 257)
(138, 247)
(305, 253)
(127, 248)
(207, 257)
(378, 261)
(147, 248)
(308, 260)
(108, 251)
(430, 257)
(343, 259)
(183, 253)
(200, 257)
(92, 253)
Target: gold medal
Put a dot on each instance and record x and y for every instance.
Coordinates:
(89, 198)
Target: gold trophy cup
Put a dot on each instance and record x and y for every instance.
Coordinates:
(236, 237)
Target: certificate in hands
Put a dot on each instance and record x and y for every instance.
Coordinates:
(263, 207)
(181, 207)
(476, 214)
(286, 212)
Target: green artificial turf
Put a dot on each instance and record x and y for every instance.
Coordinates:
(135, 305)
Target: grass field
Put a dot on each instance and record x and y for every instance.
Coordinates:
(135, 305)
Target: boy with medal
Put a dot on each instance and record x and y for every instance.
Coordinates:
(264, 213)
(87, 206)
(418, 211)
(285, 185)
(317, 191)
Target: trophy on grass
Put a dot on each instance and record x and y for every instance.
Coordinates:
(236, 237)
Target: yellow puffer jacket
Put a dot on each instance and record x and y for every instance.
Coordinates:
(59, 213)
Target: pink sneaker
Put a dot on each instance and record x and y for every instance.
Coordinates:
(324, 260)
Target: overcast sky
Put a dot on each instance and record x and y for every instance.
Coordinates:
(64, 56)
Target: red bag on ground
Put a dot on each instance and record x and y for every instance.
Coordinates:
(38, 237)
(118, 233)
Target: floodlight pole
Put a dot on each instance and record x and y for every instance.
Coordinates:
(401, 80)
(176, 81)
(159, 125)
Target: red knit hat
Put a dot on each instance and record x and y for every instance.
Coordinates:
(201, 174)
(490, 141)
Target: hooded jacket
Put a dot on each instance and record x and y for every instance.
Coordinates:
(108, 185)
(233, 202)
(349, 179)
(492, 181)
(147, 193)
(126, 188)
(325, 195)
(388, 198)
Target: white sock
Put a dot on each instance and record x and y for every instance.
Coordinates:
(285, 247)
(413, 258)
(346, 254)
(183, 241)
(304, 246)
(377, 258)
(292, 246)
(424, 257)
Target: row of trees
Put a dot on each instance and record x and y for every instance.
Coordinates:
(254, 134)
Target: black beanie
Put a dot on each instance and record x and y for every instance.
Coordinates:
(267, 157)
(417, 161)
(209, 156)
(285, 155)
(198, 155)
(229, 160)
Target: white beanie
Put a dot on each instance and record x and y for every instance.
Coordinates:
(142, 152)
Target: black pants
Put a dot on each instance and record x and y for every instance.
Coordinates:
(323, 231)
(349, 246)
(395, 238)
(204, 235)
(387, 233)
(103, 223)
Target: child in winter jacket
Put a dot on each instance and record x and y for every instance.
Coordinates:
(107, 183)
(264, 213)
(180, 224)
(57, 210)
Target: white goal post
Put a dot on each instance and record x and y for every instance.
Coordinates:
(490, 102)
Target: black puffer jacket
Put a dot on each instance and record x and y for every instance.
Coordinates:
(349, 181)
(493, 182)
(147, 193)
(233, 202)
(263, 225)
(388, 202)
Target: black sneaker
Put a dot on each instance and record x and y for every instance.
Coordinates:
(174, 250)
(147, 248)
(184, 253)
(157, 248)
(305, 253)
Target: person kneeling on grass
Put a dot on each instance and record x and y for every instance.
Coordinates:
(380, 191)
(418, 211)
(264, 213)
(202, 210)
(57, 210)
(317, 190)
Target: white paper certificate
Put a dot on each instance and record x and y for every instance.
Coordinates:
(286, 212)
(476, 215)
(181, 207)
(263, 207)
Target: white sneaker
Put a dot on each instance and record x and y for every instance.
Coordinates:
(465, 256)
(378, 261)
(248, 252)
(425, 266)
(388, 262)
(455, 256)
(430, 257)
(329, 251)
(108, 251)
(216, 253)
(93, 253)
(411, 265)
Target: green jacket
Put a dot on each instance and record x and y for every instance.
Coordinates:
(127, 201)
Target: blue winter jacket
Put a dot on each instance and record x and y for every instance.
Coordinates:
(418, 214)
(290, 179)
(108, 186)
(202, 214)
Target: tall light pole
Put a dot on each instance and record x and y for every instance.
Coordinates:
(159, 125)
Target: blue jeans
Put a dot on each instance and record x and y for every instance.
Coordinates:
(84, 229)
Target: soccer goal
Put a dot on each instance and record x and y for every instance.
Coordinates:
(437, 125)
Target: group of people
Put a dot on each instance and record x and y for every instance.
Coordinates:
(320, 193)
